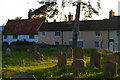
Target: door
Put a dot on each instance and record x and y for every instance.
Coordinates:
(111, 45)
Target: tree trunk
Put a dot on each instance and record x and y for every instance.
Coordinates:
(76, 25)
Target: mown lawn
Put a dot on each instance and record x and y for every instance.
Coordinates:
(19, 61)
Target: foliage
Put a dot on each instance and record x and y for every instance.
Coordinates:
(47, 68)
(21, 43)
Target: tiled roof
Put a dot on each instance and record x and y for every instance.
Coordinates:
(108, 24)
(23, 27)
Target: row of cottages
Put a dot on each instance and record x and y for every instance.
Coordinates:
(22, 30)
(104, 34)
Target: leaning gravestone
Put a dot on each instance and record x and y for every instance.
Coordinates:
(78, 66)
(61, 58)
(8, 52)
(69, 52)
(95, 59)
(110, 69)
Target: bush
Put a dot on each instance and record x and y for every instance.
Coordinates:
(22, 43)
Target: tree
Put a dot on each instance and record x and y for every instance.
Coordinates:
(49, 9)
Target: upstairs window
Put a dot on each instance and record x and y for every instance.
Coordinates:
(97, 34)
(15, 36)
(57, 33)
(43, 34)
(31, 36)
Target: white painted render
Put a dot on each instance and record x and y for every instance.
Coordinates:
(113, 35)
(20, 38)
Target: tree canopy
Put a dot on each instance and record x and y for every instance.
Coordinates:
(50, 8)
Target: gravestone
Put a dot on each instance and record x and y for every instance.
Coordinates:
(110, 69)
(95, 59)
(8, 52)
(78, 66)
(78, 61)
(113, 58)
(38, 53)
(69, 52)
(29, 53)
(61, 58)
(78, 53)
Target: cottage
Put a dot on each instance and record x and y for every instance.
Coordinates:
(102, 34)
(22, 30)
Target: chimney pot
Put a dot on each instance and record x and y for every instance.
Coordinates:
(111, 14)
(70, 17)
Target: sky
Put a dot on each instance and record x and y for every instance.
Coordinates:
(10, 9)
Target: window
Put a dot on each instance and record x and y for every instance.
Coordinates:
(43, 34)
(56, 43)
(5, 36)
(15, 36)
(97, 34)
(57, 33)
(31, 36)
(97, 44)
(79, 43)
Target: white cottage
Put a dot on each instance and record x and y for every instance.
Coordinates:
(24, 29)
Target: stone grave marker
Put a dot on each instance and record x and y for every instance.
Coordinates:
(78, 53)
(69, 52)
(113, 58)
(61, 58)
(29, 53)
(110, 69)
(8, 52)
(78, 66)
(78, 61)
(95, 59)
(38, 53)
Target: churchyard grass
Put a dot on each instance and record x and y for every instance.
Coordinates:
(48, 69)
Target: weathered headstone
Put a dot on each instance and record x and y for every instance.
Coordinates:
(61, 58)
(113, 58)
(29, 53)
(78, 61)
(78, 66)
(78, 53)
(38, 53)
(110, 69)
(69, 52)
(8, 52)
(95, 59)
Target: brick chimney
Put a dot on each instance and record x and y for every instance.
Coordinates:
(70, 17)
(111, 14)
(30, 14)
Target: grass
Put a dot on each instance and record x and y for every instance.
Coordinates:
(19, 61)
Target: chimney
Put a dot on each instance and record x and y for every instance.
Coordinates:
(30, 14)
(111, 14)
(70, 17)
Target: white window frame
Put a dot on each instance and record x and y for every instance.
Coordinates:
(44, 34)
(33, 36)
(98, 34)
(77, 43)
(57, 34)
(99, 42)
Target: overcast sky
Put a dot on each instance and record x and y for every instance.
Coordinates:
(9, 9)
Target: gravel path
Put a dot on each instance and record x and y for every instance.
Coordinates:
(15, 75)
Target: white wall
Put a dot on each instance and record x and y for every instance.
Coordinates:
(113, 36)
(21, 38)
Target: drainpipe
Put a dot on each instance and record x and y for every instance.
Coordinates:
(62, 38)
